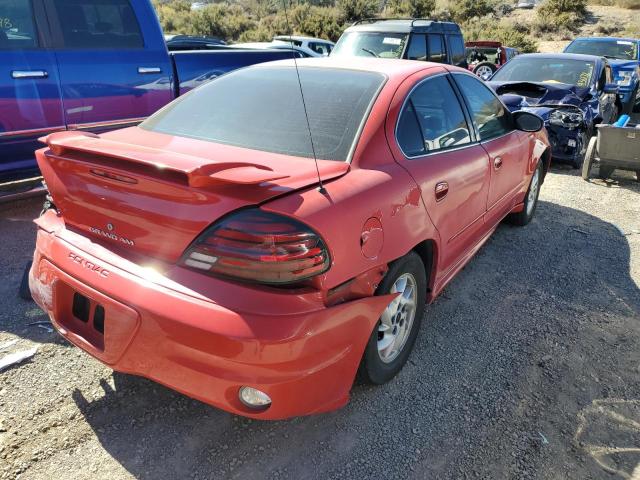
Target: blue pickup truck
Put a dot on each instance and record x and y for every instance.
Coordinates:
(624, 57)
(91, 65)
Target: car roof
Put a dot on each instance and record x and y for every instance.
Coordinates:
(301, 38)
(402, 25)
(567, 56)
(483, 43)
(389, 67)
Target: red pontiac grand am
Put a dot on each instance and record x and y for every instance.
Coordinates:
(198, 250)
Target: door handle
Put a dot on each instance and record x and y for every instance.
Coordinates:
(146, 70)
(497, 163)
(22, 74)
(442, 188)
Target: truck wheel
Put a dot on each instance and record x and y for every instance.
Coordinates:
(484, 70)
(395, 333)
(589, 157)
(530, 200)
(24, 292)
(637, 175)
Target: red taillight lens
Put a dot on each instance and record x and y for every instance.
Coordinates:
(258, 246)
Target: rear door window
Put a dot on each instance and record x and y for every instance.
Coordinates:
(417, 47)
(98, 24)
(432, 119)
(456, 49)
(437, 52)
(17, 27)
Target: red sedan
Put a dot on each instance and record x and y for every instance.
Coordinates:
(199, 251)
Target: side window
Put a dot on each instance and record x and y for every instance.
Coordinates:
(432, 119)
(456, 49)
(489, 115)
(17, 28)
(437, 52)
(417, 47)
(98, 24)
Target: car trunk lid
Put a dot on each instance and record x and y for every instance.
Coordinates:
(152, 193)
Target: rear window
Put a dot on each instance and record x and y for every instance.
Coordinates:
(98, 24)
(17, 29)
(260, 108)
(610, 48)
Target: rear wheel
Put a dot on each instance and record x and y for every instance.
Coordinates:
(589, 158)
(23, 291)
(395, 333)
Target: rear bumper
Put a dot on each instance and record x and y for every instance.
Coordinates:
(305, 362)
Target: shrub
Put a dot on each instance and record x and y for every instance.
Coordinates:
(353, 10)
(464, 10)
(411, 8)
(511, 35)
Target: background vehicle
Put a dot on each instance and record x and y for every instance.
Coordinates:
(268, 294)
(417, 39)
(623, 55)
(176, 43)
(572, 93)
(485, 57)
(89, 65)
(281, 46)
(527, 4)
(314, 47)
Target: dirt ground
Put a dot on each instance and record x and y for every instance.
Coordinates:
(526, 367)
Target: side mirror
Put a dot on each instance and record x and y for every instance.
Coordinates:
(527, 121)
(611, 88)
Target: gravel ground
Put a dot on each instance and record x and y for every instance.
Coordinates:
(526, 367)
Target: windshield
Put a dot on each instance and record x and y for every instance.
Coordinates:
(370, 44)
(261, 108)
(618, 49)
(546, 70)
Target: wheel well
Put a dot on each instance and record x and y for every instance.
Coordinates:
(426, 250)
(546, 162)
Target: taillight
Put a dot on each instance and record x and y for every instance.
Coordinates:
(258, 246)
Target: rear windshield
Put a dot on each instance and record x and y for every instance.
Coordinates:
(617, 49)
(370, 44)
(260, 108)
(546, 70)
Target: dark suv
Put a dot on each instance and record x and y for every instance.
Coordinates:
(411, 39)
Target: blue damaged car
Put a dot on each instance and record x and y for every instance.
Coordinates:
(572, 93)
(624, 57)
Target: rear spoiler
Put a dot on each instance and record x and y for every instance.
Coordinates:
(194, 169)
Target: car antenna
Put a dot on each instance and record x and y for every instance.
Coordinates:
(322, 190)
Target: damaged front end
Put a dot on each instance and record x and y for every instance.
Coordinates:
(565, 113)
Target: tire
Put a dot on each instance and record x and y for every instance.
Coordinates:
(522, 218)
(637, 175)
(484, 70)
(379, 363)
(589, 158)
(584, 141)
(24, 292)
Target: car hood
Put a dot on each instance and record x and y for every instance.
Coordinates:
(617, 65)
(519, 95)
